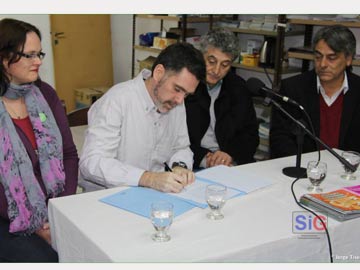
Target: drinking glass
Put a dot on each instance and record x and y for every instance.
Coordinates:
(161, 215)
(316, 172)
(354, 159)
(215, 198)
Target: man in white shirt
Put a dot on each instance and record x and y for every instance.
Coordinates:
(140, 125)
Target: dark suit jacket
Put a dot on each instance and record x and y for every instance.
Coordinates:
(302, 88)
(236, 127)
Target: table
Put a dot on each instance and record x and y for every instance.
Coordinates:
(257, 227)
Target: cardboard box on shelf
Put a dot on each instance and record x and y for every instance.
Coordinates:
(162, 43)
(84, 97)
(147, 63)
(102, 89)
(250, 60)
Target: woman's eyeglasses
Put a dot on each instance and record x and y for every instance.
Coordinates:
(32, 56)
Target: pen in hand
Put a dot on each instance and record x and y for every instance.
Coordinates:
(167, 168)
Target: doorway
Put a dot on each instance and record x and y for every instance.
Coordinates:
(82, 53)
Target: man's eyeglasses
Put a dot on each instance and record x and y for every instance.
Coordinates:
(40, 55)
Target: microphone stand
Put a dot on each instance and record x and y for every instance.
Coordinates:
(301, 125)
(297, 171)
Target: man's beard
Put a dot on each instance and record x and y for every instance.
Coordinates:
(159, 104)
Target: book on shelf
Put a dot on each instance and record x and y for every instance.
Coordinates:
(264, 129)
(261, 155)
(341, 204)
(263, 147)
(301, 49)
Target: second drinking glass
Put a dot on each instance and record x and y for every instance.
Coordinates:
(215, 198)
(354, 159)
(316, 172)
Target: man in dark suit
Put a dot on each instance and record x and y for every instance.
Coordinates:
(220, 115)
(330, 94)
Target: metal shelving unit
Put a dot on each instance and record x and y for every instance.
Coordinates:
(280, 35)
(182, 21)
(309, 27)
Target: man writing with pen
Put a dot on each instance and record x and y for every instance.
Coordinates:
(139, 127)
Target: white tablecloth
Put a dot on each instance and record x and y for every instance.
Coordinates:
(257, 227)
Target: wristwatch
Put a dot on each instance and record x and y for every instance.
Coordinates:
(179, 164)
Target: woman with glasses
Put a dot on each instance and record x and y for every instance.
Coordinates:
(38, 158)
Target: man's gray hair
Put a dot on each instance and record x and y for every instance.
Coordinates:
(222, 39)
(339, 38)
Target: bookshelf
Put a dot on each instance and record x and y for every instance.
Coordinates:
(309, 26)
(182, 22)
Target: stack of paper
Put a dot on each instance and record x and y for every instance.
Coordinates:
(264, 131)
(233, 177)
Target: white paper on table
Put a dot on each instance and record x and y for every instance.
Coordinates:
(195, 193)
(234, 178)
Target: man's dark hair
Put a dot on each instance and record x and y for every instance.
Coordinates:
(339, 38)
(182, 55)
(12, 40)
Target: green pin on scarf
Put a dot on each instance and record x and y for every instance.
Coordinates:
(42, 117)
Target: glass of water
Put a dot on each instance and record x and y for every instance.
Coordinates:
(354, 159)
(215, 198)
(161, 215)
(316, 172)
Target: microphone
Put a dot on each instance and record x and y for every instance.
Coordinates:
(256, 87)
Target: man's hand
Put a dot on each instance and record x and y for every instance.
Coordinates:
(218, 158)
(44, 233)
(188, 175)
(163, 181)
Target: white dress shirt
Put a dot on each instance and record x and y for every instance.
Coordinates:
(330, 100)
(127, 136)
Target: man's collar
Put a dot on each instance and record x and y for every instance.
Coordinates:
(216, 86)
(146, 99)
(344, 87)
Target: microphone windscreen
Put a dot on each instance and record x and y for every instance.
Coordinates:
(255, 85)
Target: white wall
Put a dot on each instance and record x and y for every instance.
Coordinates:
(43, 23)
(121, 35)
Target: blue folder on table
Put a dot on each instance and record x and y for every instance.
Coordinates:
(138, 200)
